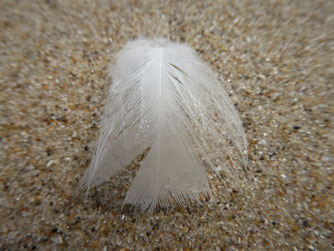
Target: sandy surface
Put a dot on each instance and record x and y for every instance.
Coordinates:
(277, 60)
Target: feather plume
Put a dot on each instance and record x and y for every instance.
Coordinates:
(165, 99)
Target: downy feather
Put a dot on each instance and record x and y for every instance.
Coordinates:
(165, 99)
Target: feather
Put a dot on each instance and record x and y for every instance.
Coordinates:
(164, 99)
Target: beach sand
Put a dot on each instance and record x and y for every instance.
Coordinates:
(276, 58)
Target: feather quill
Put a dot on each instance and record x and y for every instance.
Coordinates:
(165, 99)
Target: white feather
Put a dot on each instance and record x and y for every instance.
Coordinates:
(165, 99)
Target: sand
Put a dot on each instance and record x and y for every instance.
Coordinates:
(277, 61)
